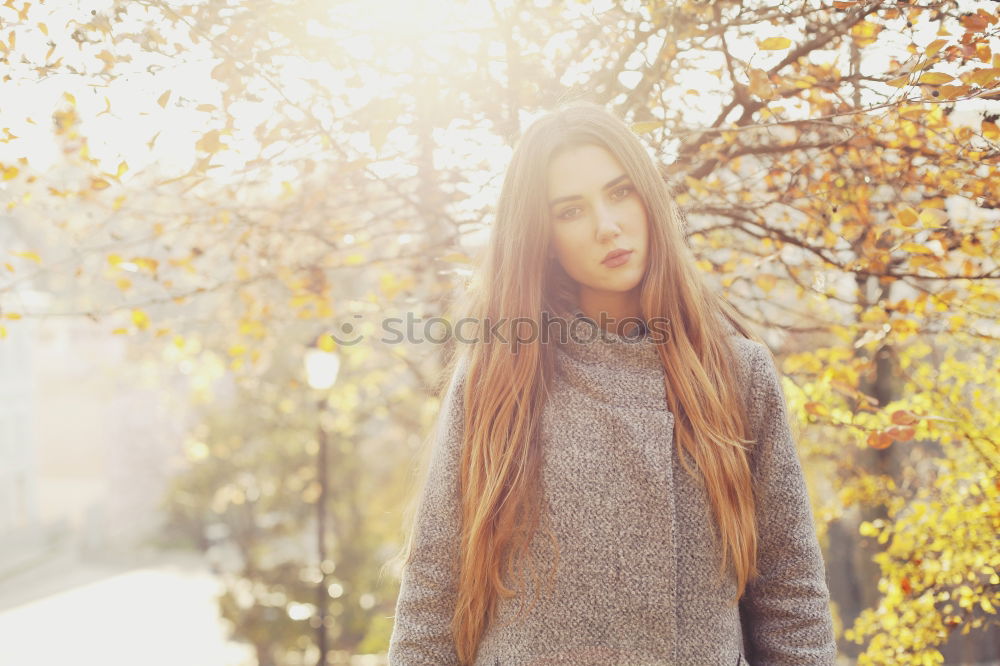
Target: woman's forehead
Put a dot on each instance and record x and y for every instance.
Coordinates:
(581, 167)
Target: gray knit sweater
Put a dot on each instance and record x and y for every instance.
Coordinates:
(637, 581)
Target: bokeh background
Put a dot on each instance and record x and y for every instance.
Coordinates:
(202, 200)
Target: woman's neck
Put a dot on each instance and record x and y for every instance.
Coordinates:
(615, 312)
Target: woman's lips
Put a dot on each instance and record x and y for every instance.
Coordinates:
(618, 259)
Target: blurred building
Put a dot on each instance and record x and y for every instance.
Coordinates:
(87, 435)
(20, 535)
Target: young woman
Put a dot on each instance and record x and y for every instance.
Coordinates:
(614, 426)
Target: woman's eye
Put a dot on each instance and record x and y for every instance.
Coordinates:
(623, 191)
(616, 195)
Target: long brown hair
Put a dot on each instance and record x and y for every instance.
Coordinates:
(505, 388)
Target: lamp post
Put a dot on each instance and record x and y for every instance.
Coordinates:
(322, 365)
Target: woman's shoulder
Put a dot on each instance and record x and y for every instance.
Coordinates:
(759, 378)
(750, 354)
(752, 358)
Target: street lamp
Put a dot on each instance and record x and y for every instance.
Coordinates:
(322, 365)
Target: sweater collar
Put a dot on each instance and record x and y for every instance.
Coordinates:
(588, 343)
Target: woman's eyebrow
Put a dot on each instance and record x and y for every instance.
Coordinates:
(574, 197)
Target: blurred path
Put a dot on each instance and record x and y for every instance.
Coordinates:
(157, 609)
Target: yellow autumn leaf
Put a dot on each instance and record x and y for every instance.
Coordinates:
(951, 92)
(122, 168)
(934, 47)
(146, 263)
(867, 529)
(904, 417)
(916, 248)
(28, 255)
(990, 130)
(44, 28)
(209, 142)
(162, 100)
(12, 315)
(10, 173)
(140, 319)
(458, 257)
(760, 85)
(817, 409)
(107, 59)
(774, 43)
(935, 78)
(696, 184)
(766, 281)
(99, 184)
(3, 331)
(646, 126)
(933, 217)
(907, 217)
(391, 285)
(120, 331)
(865, 32)
(972, 248)
(930, 263)
(326, 342)
(983, 52)
(70, 98)
(223, 70)
(984, 77)
(9, 267)
(107, 106)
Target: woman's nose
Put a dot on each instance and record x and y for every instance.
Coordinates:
(607, 224)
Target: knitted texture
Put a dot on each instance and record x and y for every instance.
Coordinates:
(637, 579)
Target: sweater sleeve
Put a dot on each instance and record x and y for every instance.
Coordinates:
(428, 587)
(785, 611)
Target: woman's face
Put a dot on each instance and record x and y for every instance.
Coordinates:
(595, 209)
